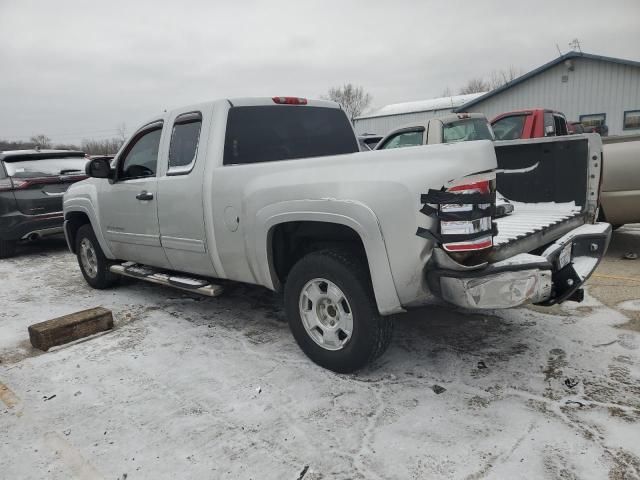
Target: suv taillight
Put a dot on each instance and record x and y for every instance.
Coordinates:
(478, 227)
(6, 185)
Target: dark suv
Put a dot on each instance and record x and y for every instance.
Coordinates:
(32, 183)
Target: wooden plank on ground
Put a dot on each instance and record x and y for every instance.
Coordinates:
(68, 328)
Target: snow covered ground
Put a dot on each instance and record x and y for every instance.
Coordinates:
(188, 387)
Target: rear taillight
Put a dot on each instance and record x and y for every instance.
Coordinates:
(470, 220)
(6, 185)
(9, 184)
(289, 100)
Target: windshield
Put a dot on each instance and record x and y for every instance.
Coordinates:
(46, 167)
(466, 130)
(509, 128)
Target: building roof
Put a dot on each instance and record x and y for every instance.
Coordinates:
(546, 66)
(441, 103)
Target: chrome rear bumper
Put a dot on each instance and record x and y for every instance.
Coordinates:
(542, 279)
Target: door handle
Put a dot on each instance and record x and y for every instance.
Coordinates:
(144, 195)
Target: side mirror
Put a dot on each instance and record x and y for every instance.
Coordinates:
(98, 168)
(548, 130)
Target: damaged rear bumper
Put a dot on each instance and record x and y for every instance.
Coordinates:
(554, 276)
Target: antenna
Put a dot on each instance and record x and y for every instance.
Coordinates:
(575, 45)
(559, 52)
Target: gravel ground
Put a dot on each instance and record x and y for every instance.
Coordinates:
(188, 387)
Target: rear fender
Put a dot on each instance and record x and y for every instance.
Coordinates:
(354, 215)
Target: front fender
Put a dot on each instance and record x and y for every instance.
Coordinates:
(354, 215)
(82, 197)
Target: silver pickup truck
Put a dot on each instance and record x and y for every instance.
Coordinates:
(273, 192)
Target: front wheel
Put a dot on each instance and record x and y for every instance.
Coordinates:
(93, 264)
(332, 312)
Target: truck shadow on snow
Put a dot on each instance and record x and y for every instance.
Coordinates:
(426, 338)
(43, 247)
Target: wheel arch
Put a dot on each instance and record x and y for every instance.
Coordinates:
(74, 218)
(346, 219)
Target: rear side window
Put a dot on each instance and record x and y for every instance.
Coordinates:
(281, 132)
(560, 125)
(45, 167)
(404, 139)
(466, 130)
(509, 128)
(184, 143)
(549, 125)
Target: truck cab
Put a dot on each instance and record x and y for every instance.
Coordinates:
(532, 123)
(460, 127)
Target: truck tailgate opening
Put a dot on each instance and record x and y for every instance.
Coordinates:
(552, 184)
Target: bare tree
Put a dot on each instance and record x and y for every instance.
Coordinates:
(498, 78)
(41, 141)
(66, 146)
(121, 129)
(354, 99)
(15, 145)
(474, 85)
(107, 146)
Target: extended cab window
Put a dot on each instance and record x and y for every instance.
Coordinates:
(509, 128)
(404, 139)
(184, 143)
(282, 132)
(141, 158)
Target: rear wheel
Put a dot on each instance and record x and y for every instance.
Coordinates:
(332, 311)
(93, 264)
(7, 248)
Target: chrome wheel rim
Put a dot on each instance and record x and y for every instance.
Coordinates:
(326, 314)
(88, 258)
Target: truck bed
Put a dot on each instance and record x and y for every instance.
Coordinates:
(529, 218)
(533, 225)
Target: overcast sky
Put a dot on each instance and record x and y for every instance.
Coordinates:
(77, 69)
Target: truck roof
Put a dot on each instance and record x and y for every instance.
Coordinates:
(528, 111)
(450, 117)
(240, 102)
(267, 101)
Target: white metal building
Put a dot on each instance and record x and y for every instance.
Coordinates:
(389, 117)
(588, 88)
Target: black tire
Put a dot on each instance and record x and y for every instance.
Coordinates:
(7, 248)
(371, 333)
(102, 278)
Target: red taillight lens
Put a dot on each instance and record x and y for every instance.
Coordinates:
(290, 100)
(10, 184)
(480, 187)
(478, 227)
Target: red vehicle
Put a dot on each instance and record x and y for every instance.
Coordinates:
(533, 123)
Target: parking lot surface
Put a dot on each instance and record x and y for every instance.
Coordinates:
(190, 387)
